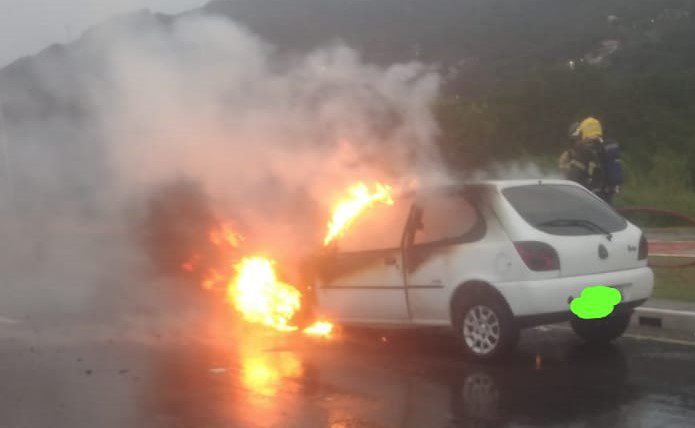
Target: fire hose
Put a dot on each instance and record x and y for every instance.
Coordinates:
(688, 221)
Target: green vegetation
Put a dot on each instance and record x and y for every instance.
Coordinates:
(644, 94)
(672, 283)
(515, 73)
(518, 72)
(667, 184)
(530, 118)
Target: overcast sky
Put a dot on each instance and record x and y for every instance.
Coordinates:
(28, 26)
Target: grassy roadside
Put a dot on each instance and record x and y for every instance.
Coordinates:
(673, 283)
(665, 183)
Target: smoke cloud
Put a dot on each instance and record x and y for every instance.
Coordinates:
(517, 169)
(94, 129)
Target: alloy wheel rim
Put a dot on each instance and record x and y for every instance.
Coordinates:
(481, 329)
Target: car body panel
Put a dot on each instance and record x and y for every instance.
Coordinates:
(579, 255)
(364, 286)
(417, 289)
(548, 296)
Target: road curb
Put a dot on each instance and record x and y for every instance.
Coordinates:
(669, 319)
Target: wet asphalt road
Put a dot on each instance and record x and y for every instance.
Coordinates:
(84, 377)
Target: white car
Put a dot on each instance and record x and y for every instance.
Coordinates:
(487, 259)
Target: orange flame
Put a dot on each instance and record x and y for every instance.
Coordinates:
(213, 279)
(253, 287)
(347, 210)
(260, 297)
(263, 374)
(226, 235)
(319, 328)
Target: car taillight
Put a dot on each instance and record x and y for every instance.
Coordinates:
(643, 248)
(538, 256)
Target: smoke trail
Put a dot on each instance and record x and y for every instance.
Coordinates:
(145, 101)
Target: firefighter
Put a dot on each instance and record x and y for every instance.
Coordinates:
(583, 160)
(588, 131)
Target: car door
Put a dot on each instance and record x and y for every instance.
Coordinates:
(444, 227)
(361, 279)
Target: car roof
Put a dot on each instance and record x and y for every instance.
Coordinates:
(498, 184)
(503, 184)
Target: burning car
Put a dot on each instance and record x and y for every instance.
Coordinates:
(486, 259)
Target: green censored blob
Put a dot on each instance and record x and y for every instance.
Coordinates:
(595, 302)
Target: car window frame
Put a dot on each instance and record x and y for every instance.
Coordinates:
(335, 248)
(476, 233)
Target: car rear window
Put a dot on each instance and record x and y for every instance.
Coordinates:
(564, 210)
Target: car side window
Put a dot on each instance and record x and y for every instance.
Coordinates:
(380, 227)
(444, 217)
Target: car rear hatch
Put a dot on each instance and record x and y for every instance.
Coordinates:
(588, 235)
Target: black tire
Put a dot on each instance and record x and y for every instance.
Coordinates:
(601, 330)
(481, 301)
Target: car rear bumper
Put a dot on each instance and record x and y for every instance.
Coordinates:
(551, 297)
(556, 317)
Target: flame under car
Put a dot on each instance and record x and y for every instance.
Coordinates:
(486, 259)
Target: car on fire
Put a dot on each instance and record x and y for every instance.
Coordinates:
(486, 259)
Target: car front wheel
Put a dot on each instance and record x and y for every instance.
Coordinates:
(601, 330)
(486, 328)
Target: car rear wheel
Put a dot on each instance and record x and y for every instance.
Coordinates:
(601, 330)
(486, 327)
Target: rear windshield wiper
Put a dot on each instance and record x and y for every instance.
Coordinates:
(587, 224)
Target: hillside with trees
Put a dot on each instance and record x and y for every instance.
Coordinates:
(517, 72)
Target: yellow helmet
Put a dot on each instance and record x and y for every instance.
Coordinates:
(588, 129)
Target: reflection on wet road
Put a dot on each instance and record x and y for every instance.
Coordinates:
(256, 378)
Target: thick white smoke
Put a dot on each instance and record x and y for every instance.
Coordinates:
(95, 128)
(208, 100)
(518, 169)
